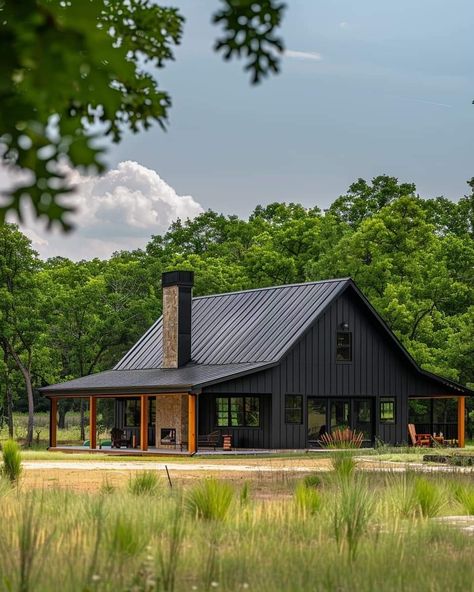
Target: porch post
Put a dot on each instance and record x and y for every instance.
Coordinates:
(192, 444)
(143, 422)
(53, 422)
(93, 422)
(461, 421)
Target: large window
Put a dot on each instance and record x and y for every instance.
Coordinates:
(132, 412)
(344, 346)
(237, 412)
(387, 410)
(294, 409)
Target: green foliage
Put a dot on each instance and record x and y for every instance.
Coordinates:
(312, 480)
(248, 30)
(11, 468)
(125, 537)
(429, 497)
(210, 499)
(465, 497)
(307, 498)
(343, 464)
(352, 514)
(146, 483)
(413, 258)
(74, 74)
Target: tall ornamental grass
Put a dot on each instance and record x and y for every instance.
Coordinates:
(81, 541)
(210, 499)
(11, 468)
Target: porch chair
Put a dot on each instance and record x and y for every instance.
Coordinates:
(120, 438)
(209, 440)
(418, 439)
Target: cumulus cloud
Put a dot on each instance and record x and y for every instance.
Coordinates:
(303, 55)
(118, 210)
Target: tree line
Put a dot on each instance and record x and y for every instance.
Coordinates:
(412, 257)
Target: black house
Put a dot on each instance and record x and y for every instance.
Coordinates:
(272, 367)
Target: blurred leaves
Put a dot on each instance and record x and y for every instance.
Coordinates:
(73, 74)
(249, 31)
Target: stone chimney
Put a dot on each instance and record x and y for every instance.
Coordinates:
(177, 296)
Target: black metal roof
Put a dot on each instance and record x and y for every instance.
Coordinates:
(240, 327)
(152, 380)
(233, 334)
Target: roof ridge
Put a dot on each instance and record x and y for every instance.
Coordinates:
(328, 281)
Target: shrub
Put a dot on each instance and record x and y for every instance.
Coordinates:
(210, 499)
(465, 496)
(146, 483)
(307, 498)
(342, 438)
(312, 480)
(11, 461)
(106, 488)
(428, 497)
(352, 515)
(401, 488)
(343, 464)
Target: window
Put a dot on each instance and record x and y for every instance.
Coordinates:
(238, 412)
(132, 412)
(387, 410)
(344, 346)
(293, 409)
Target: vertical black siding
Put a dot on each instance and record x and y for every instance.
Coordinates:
(378, 369)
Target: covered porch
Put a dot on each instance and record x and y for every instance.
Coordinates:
(441, 416)
(164, 423)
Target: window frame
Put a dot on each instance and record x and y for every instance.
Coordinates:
(136, 403)
(393, 401)
(297, 408)
(231, 413)
(349, 347)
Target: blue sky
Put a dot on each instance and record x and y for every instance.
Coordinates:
(391, 94)
(386, 87)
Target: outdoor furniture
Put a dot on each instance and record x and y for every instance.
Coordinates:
(418, 439)
(120, 438)
(209, 440)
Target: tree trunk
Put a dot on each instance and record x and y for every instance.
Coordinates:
(62, 410)
(9, 410)
(26, 372)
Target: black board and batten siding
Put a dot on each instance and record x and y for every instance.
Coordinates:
(379, 368)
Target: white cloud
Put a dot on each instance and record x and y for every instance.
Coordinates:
(344, 25)
(118, 210)
(303, 55)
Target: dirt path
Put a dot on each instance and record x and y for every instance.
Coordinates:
(321, 465)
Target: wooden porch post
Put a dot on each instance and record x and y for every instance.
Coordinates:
(93, 422)
(143, 422)
(53, 422)
(461, 421)
(192, 443)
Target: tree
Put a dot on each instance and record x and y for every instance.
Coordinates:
(73, 74)
(21, 308)
(364, 200)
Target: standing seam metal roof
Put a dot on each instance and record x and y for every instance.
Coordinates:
(241, 327)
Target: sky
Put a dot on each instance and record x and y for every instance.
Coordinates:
(366, 88)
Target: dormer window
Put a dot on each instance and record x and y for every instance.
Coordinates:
(344, 346)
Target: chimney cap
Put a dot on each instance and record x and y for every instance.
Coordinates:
(184, 279)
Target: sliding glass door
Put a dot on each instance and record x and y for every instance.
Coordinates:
(326, 415)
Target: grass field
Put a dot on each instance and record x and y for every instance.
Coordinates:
(339, 530)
